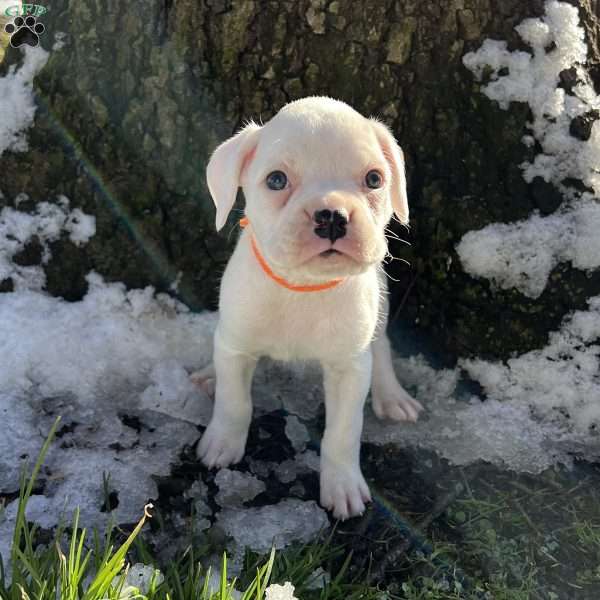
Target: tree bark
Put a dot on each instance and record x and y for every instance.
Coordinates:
(131, 107)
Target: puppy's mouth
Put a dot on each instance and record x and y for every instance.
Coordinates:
(330, 252)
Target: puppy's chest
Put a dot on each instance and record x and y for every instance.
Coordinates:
(317, 325)
(260, 317)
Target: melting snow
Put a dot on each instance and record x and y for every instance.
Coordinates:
(90, 362)
(235, 488)
(561, 382)
(522, 254)
(45, 225)
(16, 100)
(534, 78)
(517, 427)
(99, 347)
(296, 433)
(561, 379)
(277, 525)
(172, 393)
(305, 462)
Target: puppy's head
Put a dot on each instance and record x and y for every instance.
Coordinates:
(321, 182)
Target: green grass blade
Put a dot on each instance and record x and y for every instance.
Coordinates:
(113, 565)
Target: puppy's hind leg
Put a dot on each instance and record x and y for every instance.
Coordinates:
(205, 379)
(388, 398)
(224, 440)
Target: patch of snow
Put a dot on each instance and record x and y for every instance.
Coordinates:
(275, 385)
(81, 227)
(296, 433)
(17, 101)
(109, 341)
(305, 462)
(280, 592)
(198, 492)
(172, 393)
(261, 468)
(298, 490)
(286, 471)
(20, 438)
(534, 78)
(275, 525)
(289, 469)
(561, 379)
(46, 224)
(505, 431)
(236, 487)
(174, 287)
(523, 254)
(76, 477)
(89, 362)
(308, 461)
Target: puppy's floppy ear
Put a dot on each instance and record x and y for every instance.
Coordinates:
(225, 168)
(395, 157)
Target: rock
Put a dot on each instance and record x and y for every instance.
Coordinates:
(581, 126)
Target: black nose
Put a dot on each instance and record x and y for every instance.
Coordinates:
(330, 225)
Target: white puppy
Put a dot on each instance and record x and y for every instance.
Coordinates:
(305, 280)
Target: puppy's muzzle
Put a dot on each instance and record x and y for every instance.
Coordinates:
(330, 224)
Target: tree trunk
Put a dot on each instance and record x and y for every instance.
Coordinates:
(141, 93)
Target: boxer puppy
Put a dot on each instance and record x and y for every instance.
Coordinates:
(305, 281)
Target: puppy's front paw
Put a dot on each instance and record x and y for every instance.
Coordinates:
(344, 490)
(391, 401)
(222, 445)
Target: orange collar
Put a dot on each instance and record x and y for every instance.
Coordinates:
(244, 222)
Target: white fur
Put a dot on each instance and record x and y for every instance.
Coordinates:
(325, 148)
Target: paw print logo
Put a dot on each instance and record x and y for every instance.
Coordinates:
(24, 31)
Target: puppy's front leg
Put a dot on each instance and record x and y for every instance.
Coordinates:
(343, 487)
(224, 440)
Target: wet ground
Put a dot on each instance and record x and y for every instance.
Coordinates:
(434, 529)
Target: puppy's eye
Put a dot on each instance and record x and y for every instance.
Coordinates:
(276, 180)
(374, 179)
